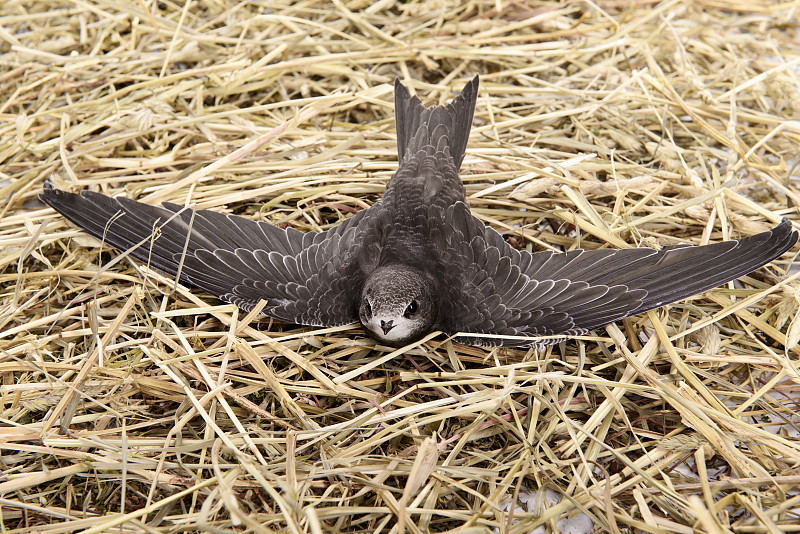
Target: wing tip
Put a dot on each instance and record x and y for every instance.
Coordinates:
(785, 231)
(48, 193)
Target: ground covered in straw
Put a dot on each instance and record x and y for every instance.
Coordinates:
(133, 404)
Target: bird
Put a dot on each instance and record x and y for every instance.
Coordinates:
(418, 260)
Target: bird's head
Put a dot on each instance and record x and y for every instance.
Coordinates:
(398, 305)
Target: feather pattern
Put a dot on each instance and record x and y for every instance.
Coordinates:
(305, 278)
(551, 294)
(421, 230)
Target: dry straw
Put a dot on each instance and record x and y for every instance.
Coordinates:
(132, 404)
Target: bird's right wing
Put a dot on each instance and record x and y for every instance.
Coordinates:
(491, 288)
(306, 278)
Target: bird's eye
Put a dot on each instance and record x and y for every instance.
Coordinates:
(411, 308)
(368, 308)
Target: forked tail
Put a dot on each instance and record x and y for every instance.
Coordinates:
(418, 126)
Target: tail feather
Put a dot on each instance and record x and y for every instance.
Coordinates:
(418, 126)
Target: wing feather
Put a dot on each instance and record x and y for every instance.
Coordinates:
(502, 291)
(305, 278)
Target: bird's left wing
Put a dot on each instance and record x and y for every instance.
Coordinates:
(491, 288)
(306, 278)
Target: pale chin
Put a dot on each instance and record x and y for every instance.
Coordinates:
(398, 333)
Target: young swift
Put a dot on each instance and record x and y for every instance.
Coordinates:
(418, 260)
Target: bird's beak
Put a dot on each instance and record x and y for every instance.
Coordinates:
(386, 326)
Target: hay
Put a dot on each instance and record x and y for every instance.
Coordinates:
(135, 405)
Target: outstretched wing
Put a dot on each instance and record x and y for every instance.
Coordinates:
(492, 288)
(306, 278)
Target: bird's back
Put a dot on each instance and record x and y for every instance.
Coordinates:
(430, 148)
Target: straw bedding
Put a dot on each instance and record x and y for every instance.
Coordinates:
(132, 404)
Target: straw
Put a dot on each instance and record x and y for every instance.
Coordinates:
(131, 403)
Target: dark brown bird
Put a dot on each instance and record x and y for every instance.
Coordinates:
(418, 260)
